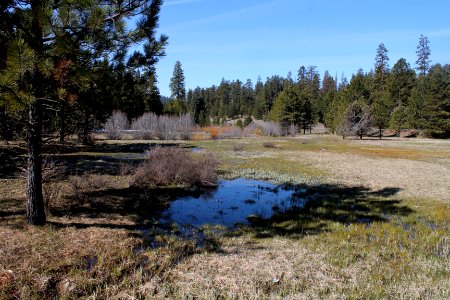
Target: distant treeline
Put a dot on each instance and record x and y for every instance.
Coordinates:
(386, 98)
(397, 98)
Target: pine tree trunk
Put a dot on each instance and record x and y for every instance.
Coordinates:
(35, 200)
(380, 129)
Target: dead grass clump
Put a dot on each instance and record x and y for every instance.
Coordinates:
(269, 145)
(167, 166)
(81, 185)
(125, 169)
(52, 172)
(238, 147)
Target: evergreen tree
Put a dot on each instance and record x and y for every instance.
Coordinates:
(152, 100)
(400, 84)
(272, 87)
(37, 34)
(328, 95)
(381, 104)
(313, 97)
(260, 100)
(423, 55)
(437, 101)
(177, 85)
(289, 107)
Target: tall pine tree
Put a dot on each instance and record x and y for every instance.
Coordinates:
(40, 33)
(423, 55)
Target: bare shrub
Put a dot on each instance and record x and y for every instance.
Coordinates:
(164, 127)
(145, 126)
(167, 128)
(185, 125)
(250, 130)
(125, 169)
(357, 120)
(51, 192)
(231, 132)
(271, 128)
(175, 166)
(83, 184)
(116, 124)
(51, 170)
(292, 129)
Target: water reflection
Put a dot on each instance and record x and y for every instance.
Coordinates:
(232, 203)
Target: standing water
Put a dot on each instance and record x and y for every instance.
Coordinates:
(232, 202)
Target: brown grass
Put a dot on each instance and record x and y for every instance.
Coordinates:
(96, 250)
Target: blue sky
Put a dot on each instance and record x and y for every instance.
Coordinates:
(241, 39)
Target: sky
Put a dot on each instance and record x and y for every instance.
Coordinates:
(244, 39)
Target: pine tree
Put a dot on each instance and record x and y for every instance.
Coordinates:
(423, 55)
(400, 83)
(381, 106)
(260, 100)
(289, 107)
(40, 33)
(177, 84)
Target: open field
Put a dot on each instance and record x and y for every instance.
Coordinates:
(378, 228)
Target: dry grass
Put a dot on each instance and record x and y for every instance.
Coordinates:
(245, 269)
(95, 249)
(420, 168)
(416, 178)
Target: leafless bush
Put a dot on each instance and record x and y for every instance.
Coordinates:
(230, 132)
(357, 120)
(175, 166)
(116, 124)
(81, 185)
(271, 128)
(250, 130)
(145, 126)
(51, 170)
(51, 191)
(167, 128)
(292, 130)
(164, 127)
(125, 169)
(185, 125)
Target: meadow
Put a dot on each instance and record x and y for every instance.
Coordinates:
(377, 225)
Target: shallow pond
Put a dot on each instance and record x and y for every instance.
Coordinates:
(232, 202)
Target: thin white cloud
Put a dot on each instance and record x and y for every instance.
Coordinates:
(227, 15)
(180, 2)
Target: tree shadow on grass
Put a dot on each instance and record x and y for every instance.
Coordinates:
(139, 205)
(12, 207)
(311, 210)
(325, 204)
(104, 158)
